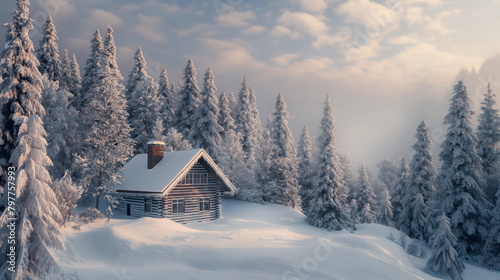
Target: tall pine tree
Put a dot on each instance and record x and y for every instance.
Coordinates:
(248, 122)
(90, 76)
(106, 144)
(488, 134)
(326, 209)
(419, 188)
(189, 100)
(283, 170)
(491, 252)
(34, 214)
(206, 130)
(306, 168)
(143, 105)
(365, 194)
(48, 52)
(398, 190)
(461, 178)
(226, 119)
(168, 100)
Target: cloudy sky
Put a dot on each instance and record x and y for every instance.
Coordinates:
(387, 65)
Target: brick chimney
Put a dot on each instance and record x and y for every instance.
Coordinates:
(155, 153)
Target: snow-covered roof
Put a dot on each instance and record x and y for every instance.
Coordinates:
(156, 143)
(167, 173)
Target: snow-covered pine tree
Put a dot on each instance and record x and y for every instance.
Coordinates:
(264, 162)
(206, 131)
(491, 252)
(367, 214)
(67, 194)
(35, 212)
(488, 134)
(64, 80)
(190, 99)
(365, 194)
(419, 188)
(306, 168)
(488, 146)
(444, 259)
(231, 161)
(248, 122)
(387, 172)
(174, 141)
(48, 52)
(143, 106)
(109, 50)
(325, 209)
(283, 171)
(168, 100)
(398, 190)
(354, 211)
(350, 177)
(75, 82)
(59, 123)
(233, 104)
(106, 145)
(385, 216)
(460, 178)
(90, 75)
(226, 120)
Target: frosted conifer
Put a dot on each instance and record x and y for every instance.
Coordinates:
(306, 168)
(48, 52)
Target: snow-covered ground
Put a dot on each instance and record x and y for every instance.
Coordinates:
(252, 241)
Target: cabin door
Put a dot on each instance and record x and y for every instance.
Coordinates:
(128, 209)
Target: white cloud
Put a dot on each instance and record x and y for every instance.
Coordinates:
(303, 22)
(236, 19)
(281, 31)
(100, 18)
(151, 28)
(255, 29)
(367, 12)
(284, 58)
(313, 5)
(342, 36)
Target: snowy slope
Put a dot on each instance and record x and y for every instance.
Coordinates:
(252, 241)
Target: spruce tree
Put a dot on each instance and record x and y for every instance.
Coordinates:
(354, 211)
(461, 178)
(35, 212)
(75, 81)
(264, 162)
(59, 122)
(231, 161)
(89, 79)
(386, 217)
(189, 100)
(491, 251)
(387, 172)
(168, 100)
(365, 194)
(143, 106)
(444, 259)
(109, 50)
(306, 168)
(226, 120)
(65, 71)
(48, 52)
(206, 130)
(325, 208)
(248, 122)
(106, 143)
(283, 170)
(419, 188)
(367, 214)
(175, 142)
(488, 134)
(398, 190)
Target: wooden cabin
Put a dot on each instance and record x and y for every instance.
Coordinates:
(184, 186)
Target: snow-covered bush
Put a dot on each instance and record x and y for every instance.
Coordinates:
(89, 215)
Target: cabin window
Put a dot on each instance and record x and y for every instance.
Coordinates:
(147, 204)
(178, 206)
(195, 179)
(204, 204)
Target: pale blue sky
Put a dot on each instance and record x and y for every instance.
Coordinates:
(386, 64)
